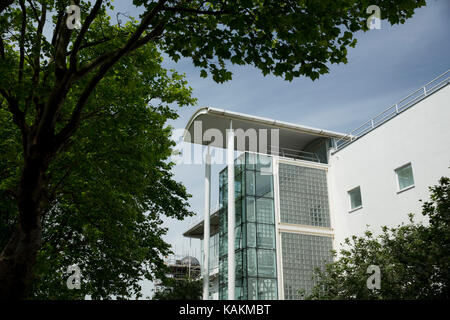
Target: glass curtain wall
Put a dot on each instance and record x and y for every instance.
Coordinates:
(213, 252)
(256, 276)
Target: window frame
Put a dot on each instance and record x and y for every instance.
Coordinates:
(350, 199)
(398, 181)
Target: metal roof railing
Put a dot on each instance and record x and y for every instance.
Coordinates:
(391, 112)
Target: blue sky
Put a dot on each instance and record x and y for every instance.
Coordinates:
(385, 66)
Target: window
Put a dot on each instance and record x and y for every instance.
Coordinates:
(266, 236)
(355, 198)
(405, 177)
(250, 182)
(266, 263)
(264, 211)
(250, 209)
(263, 185)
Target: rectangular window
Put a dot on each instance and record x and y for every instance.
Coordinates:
(251, 235)
(264, 164)
(251, 262)
(355, 198)
(238, 186)
(250, 161)
(250, 183)
(266, 236)
(264, 211)
(267, 289)
(250, 209)
(252, 289)
(239, 212)
(405, 177)
(263, 185)
(266, 263)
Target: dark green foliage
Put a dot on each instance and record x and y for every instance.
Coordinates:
(414, 258)
(284, 38)
(185, 289)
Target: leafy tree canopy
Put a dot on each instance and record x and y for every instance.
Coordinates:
(181, 289)
(414, 259)
(108, 187)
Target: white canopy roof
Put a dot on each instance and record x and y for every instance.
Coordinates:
(291, 136)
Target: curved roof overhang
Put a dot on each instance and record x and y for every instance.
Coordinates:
(215, 122)
(197, 230)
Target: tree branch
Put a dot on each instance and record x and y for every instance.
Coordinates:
(22, 39)
(34, 10)
(109, 60)
(36, 52)
(55, 189)
(13, 106)
(56, 31)
(196, 11)
(2, 48)
(130, 43)
(84, 29)
(37, 48)
(91, 44)
(62, 40)
(159, 29)
(104, 57)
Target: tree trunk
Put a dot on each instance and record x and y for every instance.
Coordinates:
(16, 263)
(19, 255)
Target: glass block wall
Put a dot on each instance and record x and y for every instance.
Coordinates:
(256, 276)
(303, 201)
(303, 196)
(302, 253)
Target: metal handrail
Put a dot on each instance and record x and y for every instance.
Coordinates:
(389, 113)
(298, 154)
(284, 152)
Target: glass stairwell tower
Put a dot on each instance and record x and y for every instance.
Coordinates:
(255, 249)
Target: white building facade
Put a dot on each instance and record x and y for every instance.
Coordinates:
(305, 190)
(419, 137)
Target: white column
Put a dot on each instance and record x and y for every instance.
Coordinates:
(231, 213)
(206, 224)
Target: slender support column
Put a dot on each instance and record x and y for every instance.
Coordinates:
(231, 213)
(206, 224)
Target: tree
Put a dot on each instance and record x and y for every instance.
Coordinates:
(115, 185)
(414, 259)
(47, 83)
(182, 289)
(110, 185)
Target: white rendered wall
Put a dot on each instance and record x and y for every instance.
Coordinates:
(420, 135)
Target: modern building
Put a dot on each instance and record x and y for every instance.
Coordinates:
(286, 205)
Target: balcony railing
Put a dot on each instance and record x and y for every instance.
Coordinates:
(298, 154)
(391, 112)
